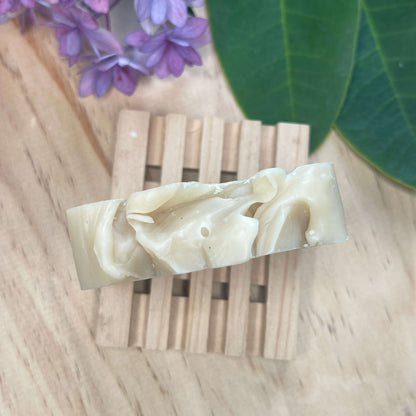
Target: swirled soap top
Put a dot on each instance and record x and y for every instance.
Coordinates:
(184, 227)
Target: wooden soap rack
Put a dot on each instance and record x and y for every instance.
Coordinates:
(248, 309)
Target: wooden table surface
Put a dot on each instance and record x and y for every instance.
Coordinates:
(357, 329)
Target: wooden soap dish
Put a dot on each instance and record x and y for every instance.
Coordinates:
(248, 309)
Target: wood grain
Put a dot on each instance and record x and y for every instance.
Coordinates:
(139, 317)
(357, 327)
(283, 280)
(240, 276)
(161, 289)
(115, 306)
(199, 305)
(178, 316)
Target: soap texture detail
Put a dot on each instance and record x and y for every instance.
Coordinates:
(189, 226)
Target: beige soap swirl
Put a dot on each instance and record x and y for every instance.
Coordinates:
(184, 227)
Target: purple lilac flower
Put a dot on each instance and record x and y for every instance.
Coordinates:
(72, 24)
(16, 6)
(24, 10)
(66, 3)
(137, 38)
(119, 70)
(99, 6)
(171, 48)
(5, 6)
(158, 11)
(11, 6)
(27, 18)
(166, 52)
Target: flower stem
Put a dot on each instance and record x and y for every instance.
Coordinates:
(115, 2)
(107, 21)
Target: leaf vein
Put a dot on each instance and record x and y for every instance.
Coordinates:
(400, 58)
(398, 32)
(366, 84)
(278, 88)
(256, 69)
(406, 95)
(400, 132)
(309, 16)
(287, 56)
(379, 110)
(386, 68)
(308, 86)
(366, 55)
(390, 7)
(310, 56)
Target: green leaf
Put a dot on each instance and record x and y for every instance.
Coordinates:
(379, 115)
(287, 60)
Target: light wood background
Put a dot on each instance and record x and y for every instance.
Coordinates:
(357, 329)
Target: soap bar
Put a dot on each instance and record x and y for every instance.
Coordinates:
(189, 226)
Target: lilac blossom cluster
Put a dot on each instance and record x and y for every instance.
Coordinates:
(165, 40)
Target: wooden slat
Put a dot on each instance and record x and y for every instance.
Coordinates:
(258, 273)
(256, 323)
(201, 282)
(193, 144)
(268, 147)
(257, 311)
(149, 185)
(211, 150)
(177, 326)
(114, 314)
(161, 289)
(292, 145)
(249, 149)
(240, 276)
(139, 314)
(282, 306)
(234, 326)
(230, 154)
(217, 326)
(221, 275)
(156, 141)
(267, 160)
(198, 311)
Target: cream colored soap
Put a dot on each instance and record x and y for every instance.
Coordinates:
(190, 226)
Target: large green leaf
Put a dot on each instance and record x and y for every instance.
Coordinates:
(287, 60)
(379, 115)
